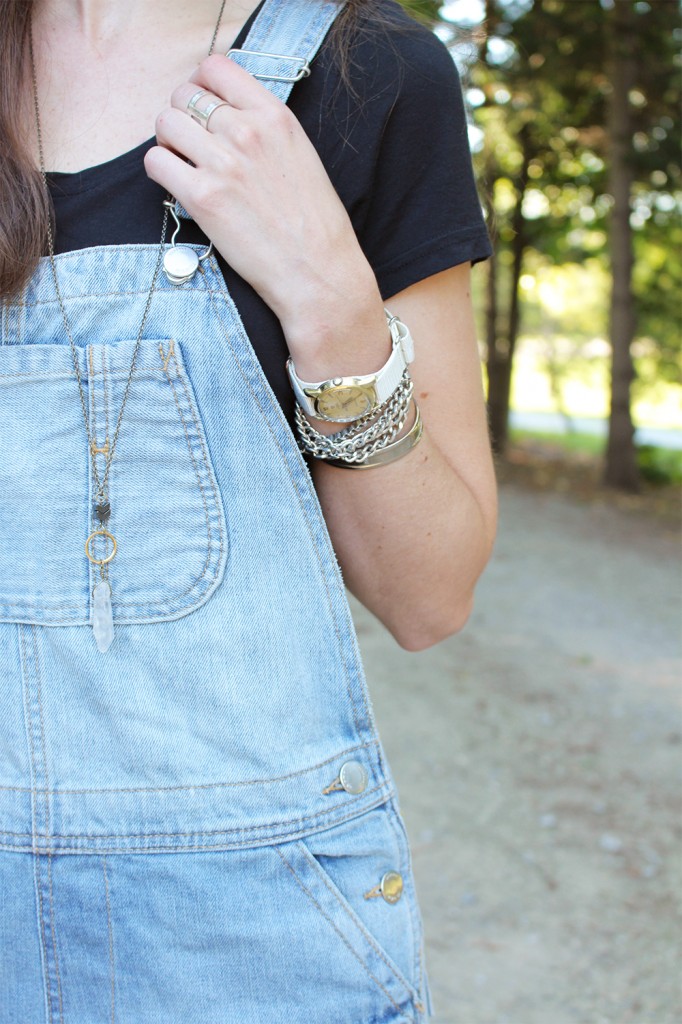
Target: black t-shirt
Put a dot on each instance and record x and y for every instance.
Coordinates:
(394, 145)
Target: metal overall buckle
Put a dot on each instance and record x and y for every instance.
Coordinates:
(302, 67)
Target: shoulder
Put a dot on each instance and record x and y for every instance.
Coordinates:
(378, 67)
(389, 52)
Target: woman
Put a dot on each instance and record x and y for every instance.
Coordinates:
(198, 823)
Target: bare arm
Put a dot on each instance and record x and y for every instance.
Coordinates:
(413, 536)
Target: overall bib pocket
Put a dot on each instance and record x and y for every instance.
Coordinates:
(166, 510)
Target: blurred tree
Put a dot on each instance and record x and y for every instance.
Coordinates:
(621, 58)
(577, 102)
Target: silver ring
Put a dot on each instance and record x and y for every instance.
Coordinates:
(202, 117)
(197, 96)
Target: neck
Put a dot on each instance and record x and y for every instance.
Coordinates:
(100, 20)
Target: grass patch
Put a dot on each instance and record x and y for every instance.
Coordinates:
(657, 465)
(584, 444)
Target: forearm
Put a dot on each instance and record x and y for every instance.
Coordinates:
(411, 539)
(413, 536)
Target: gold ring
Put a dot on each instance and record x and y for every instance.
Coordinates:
(100, 533)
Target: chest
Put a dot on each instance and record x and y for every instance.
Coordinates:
(97, 102)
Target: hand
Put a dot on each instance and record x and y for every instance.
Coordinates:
(259, 191)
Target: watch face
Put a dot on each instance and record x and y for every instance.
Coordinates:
(343, 403)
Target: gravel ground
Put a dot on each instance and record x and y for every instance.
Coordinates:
(538, 755)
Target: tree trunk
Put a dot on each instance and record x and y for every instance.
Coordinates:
(495, 364)
(501, 342)
(621, 469)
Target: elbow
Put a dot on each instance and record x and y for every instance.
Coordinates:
(419, 631)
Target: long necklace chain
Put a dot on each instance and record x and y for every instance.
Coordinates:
(92, 443)
(103, 620)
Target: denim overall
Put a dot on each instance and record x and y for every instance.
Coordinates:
(195, 824)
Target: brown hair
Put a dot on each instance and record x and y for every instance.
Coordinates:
(25, 207)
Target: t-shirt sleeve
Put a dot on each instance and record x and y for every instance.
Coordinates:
(424, 214)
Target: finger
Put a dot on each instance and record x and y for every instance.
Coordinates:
(171, 172)
(200, 104)
(228, 81)
(184, 136)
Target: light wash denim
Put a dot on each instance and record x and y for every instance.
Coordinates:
(170, 847)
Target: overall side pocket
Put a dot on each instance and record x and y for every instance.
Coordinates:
(340, 871)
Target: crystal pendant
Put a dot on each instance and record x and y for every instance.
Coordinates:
(102, 616)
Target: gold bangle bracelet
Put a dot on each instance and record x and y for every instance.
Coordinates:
(395, 450)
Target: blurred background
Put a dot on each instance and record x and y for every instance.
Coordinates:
(538, 753)
(574, 109)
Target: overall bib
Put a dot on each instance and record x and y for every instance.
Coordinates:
(195, 824)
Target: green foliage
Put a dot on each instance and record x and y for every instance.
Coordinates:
(540, 99)
(426, 11)
(660, 465)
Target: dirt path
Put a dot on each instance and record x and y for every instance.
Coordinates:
(539, 760)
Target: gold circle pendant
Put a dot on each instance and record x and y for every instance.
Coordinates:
(109, 536)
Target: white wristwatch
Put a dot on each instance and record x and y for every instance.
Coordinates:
(346, 399)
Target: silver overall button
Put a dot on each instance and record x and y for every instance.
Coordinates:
(180, 263)
(389, 888)
(352, 778)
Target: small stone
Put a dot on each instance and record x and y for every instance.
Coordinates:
(611, 843)
(548, 820)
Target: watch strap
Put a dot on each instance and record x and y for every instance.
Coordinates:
(383, 382)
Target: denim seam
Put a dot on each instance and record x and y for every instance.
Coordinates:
(192, 456)
(248, 842)
(210, 578)
(98, 295)
(404, 851)
(37, 862)
(343, 938)
(146, 372)
(111, 942)
(105, 378)
(43, 940)
(53, 929)
(27, 712)
(201, 832)
(91, 431)
(200, 785)
(322, 566)
(348, 910)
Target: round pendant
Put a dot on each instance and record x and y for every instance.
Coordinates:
(110, 537)
(180, 264)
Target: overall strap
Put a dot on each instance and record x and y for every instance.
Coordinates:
(281, 44)
(283, 40)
